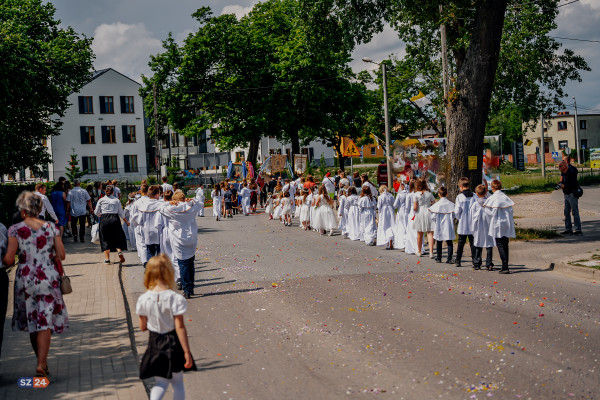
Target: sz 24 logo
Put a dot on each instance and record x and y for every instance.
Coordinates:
(35, 382)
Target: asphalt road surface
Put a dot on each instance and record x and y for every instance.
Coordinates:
(290, 314)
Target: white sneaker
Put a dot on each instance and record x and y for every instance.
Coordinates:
(418, 254)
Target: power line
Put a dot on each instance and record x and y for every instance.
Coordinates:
(566, 4)
(579, 40)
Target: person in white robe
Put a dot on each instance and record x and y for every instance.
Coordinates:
(183, 232)
(411, 233)
(353, 214)
(386, 218)
(130, 230)
(502, 225)
(269, 208)
(342, 214)
(217, 198)
(400, 223)
(200, 199)
(245, 193)
(151, 222)
(462, 214)
(325, 218)
(480, 226)
(443, 219)
(305, 206)
(368, 225)
(138, 229)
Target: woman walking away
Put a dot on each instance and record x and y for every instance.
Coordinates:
(38, 306)
(112, 237)
(58, 199)
(217, 196)
(385, 226)
(423, 199)
(161, 312)
(368, 226)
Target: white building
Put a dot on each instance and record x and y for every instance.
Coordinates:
(105, 127)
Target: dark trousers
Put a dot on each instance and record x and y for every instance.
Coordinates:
(187, 270)
(462, 240)
(450, 246)
(3, 302)
(152, 250)
(81, 219)
(488, 259)
(502, 244)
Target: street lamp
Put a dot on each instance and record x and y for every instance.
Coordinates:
(387, 122)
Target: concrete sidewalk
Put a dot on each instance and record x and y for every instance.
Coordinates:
(94, 359)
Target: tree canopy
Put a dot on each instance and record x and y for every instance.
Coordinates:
(42, 64)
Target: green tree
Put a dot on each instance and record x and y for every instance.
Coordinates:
(73, 171)
(42, 64)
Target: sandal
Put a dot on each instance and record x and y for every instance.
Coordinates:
(121, 258)
(106, 261)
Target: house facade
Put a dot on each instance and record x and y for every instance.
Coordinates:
(104, 127)
(559, 135)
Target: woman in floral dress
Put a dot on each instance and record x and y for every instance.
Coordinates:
(38, 307)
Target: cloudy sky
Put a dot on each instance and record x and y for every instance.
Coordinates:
(126, 32)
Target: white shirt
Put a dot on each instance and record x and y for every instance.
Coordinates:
(46, 206)
(109, 205)
(150, 219)
(116, 192)
(200, 195)
(78, 197)
(182, 228)
(166, 187)
(161, 308)
(329, 184)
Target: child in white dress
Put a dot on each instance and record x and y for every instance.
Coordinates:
(411, 233)
(422, 200)
(287, 209)
(278, 210)
(325, 219)
(217, 198)
(443, 219)
(480, 226)
(269, 208)
(502, 225)
(342, 214)
(368, 226)
(386, 220)
(400, 223)
(305, 207)
(353, 214)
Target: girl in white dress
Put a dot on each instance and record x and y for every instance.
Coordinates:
(386, 222)
(287, 209)
(353, 214)
(423, 199)
(305, 207)
(343, 216)
(400, 223)
(312, 199)
(269, 209)
(217, 198)
(411, 234)
(278, 211)
(325, 219)
(368, 226)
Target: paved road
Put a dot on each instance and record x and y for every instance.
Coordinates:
(290, 314)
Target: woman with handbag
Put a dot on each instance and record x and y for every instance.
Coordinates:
(38, 304)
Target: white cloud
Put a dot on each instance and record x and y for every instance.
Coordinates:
(125, 48)
(238, 10)
(381, 47)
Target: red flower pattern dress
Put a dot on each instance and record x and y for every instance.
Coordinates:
(38, 302)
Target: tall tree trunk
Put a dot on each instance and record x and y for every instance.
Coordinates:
(253, 150)
(295, 141)
(470, 105)
(337, 145)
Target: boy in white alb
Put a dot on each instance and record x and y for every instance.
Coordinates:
(200, 198)
(480, 225)
(461, 213)
(165, 185)
(151, 221)
(138, 230)
(245, 193)
(502, 225)
(443, 217)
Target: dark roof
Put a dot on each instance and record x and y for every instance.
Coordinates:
(101, 72)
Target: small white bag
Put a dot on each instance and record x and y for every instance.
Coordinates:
(95, 234)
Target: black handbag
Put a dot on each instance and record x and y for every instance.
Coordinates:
(578, 192)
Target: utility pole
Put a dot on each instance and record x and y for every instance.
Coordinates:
(543, 148)
(444, 70)
(577, 144)
(387, 130)
(158, 157)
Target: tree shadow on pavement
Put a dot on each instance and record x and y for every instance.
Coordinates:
(232, 292)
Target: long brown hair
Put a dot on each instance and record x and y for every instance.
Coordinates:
(366, 191)
(323, 192)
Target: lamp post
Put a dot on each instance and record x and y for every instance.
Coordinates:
(387, 122)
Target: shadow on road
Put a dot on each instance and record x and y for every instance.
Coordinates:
(232, 292)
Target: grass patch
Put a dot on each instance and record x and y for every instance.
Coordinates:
(535, 234)
(579, 263)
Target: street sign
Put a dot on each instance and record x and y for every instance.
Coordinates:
(350, 149)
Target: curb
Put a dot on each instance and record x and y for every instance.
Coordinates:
(579, 272)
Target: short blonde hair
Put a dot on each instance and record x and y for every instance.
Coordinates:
(31, 203)
(383, 188)
(159, 269)
(179, 196)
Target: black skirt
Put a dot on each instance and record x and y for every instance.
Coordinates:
(163, 357)
(111, 233)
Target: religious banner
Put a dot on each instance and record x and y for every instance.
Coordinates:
(278, 163)
(300, 163)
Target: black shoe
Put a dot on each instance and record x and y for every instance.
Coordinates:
(187, 295)
(457, 264)
(74, 240)
(504, 271)
(490, 268)
(577, 233)
(476, 267)
(449, 261)
(179, 286)
(566, 232)
(438, 260)
(81, 241)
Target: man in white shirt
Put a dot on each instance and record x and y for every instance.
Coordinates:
(77, 200)
(40, 190)
(166, 186)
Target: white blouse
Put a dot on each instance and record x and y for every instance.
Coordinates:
(109, 205)
(161, 308)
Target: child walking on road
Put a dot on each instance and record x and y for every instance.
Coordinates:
(161, 312)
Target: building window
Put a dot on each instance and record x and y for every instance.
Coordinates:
(127, 105)
(110, 164)
(582, 124)
(86, 105)
(108, 134)
(174, 139)
(128, 133)
(89, 164)
(584, 144)
(131, 164)
(563, 144)
(373, 151)
(107, 105)
(562, 125)
(88, 135)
